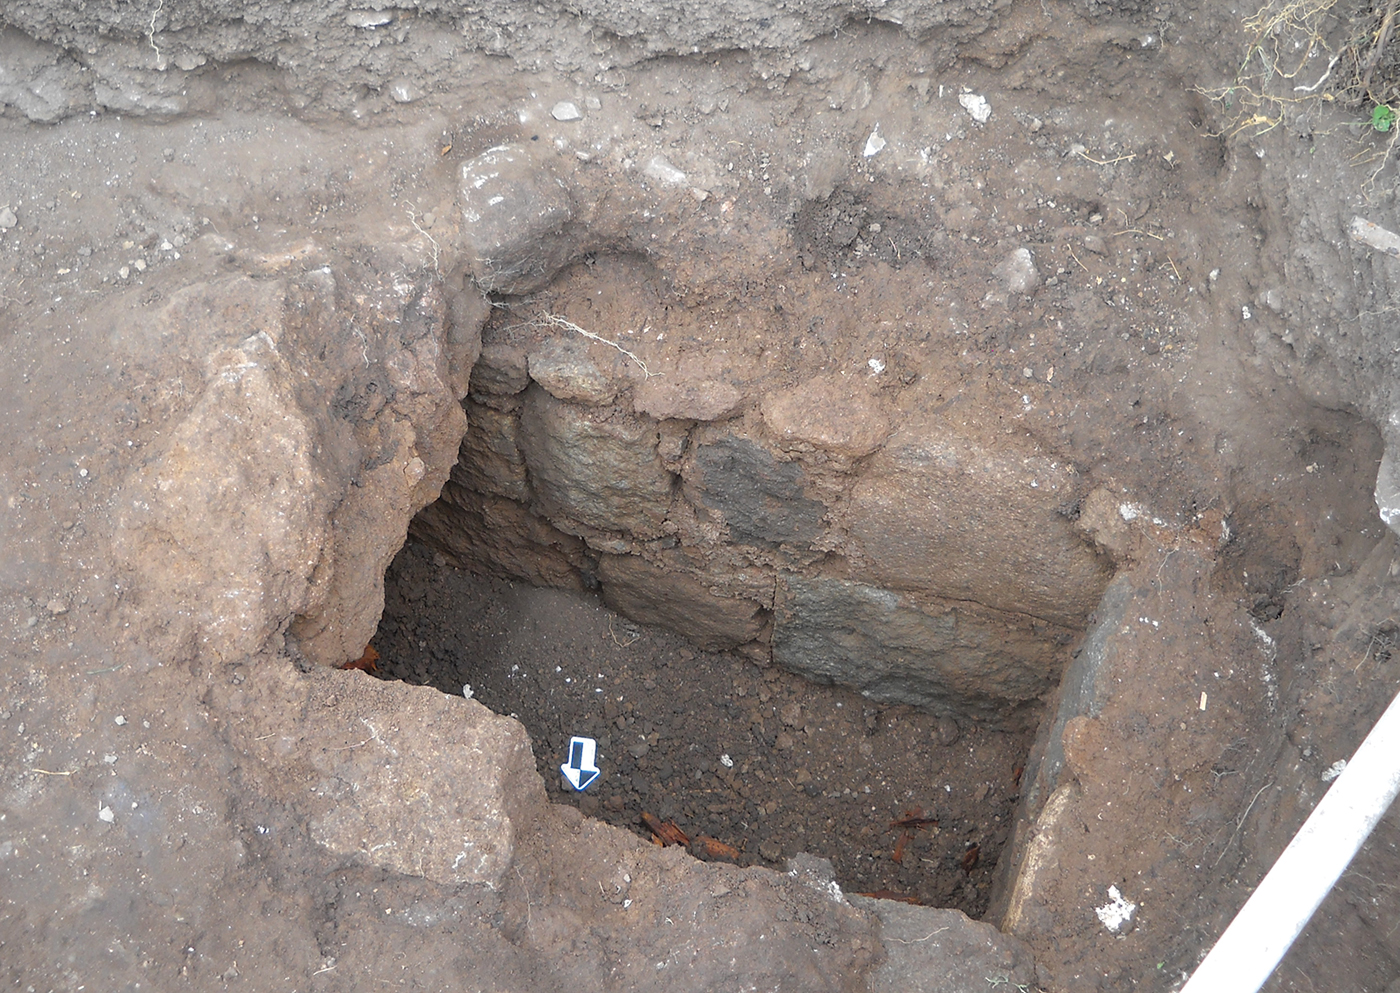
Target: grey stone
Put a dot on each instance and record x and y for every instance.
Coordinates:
(490, 459)
(33, 79)
(596, 468)
(1017, 272)
(942, 951)
(946, 514)
(567, 372)
(672, 599)
(514, 208)
(404, 91)
(502, 370)
(761, 498)
(7, 218)
(565, 110)
(953, 658)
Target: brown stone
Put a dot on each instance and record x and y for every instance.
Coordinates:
(490, 459)
(836, 413)
(567, 372)
(944, 514)
(592, 467)
(500, 537)
(701, 400)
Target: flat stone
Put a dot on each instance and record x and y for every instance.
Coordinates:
(952, 658)
(514, 209)
(760, 497)
(702, 400)
(566, 371)
(591, 467)
(943, 513)
(438, 793)
(832, 412)
(673, 599)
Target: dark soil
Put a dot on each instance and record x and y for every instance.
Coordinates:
(816, 769)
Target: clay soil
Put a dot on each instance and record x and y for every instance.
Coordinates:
(810, 768)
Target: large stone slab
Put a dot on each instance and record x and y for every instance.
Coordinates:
(681, 602)
(279, 494)
(392, 775)
(951, 657)
(490, 459)
(594, 467)
(943, 513)
(760, 497)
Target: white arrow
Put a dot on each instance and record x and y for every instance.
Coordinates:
(581, 769)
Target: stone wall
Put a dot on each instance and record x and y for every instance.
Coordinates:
(927, 563)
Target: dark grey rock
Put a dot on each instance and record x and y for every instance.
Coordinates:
(954, 658)
(761, 498)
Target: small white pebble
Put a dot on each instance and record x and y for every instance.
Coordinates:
(565, 110)
(726, 761)
(467, 691)
(119, 720)
(104, 813)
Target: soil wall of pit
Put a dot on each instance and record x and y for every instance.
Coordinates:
(927, 335)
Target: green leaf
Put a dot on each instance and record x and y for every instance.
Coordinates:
(1382, 118)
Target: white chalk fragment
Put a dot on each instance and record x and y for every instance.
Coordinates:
(1377, 237)
(660, 169)
(1117, 912)
(976, 106)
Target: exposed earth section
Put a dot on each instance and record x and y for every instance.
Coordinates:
(937, 451)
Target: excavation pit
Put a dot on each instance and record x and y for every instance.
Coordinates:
(753, 756)
(980, 370)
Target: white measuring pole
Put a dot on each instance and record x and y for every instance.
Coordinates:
(1272, 918)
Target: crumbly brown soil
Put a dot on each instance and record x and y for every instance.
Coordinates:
(814, 768)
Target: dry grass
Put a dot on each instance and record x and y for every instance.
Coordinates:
(1304, 54)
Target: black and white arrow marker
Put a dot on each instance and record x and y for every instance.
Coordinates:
(581, 769)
